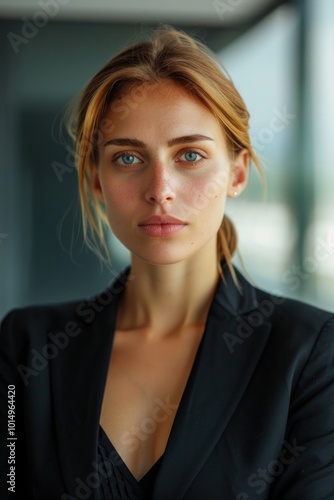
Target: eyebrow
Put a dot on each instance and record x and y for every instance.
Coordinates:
(140, 144)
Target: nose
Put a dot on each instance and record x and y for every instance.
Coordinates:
(160, 187)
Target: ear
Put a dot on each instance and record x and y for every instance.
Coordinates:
(238, 174)
(97, 183)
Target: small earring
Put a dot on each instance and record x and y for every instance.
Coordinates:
(235, 193)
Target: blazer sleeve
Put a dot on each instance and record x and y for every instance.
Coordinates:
(305, 469)
(14, 477)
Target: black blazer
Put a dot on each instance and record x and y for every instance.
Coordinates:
(256, 420)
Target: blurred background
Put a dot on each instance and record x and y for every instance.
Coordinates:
(280, 56)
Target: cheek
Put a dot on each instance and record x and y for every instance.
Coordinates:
(116, 199)
(208, 195)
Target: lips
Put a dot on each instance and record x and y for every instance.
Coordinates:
(161, 219)
(161, 225)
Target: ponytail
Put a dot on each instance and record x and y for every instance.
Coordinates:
(227, 241)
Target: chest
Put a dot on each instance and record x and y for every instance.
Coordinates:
(144, 386)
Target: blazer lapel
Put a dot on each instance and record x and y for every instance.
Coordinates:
(78, 378)
(226, 359)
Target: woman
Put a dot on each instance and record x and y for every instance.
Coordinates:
(182, 380)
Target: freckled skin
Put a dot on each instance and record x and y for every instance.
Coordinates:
(162, 313)
(162, 180)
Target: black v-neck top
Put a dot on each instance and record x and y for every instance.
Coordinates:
(116, 480)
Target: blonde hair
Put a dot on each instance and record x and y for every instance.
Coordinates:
(167, 54)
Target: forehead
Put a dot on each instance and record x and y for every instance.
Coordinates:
(135, 93)
(160, 106)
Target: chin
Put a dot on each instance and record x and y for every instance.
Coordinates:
(162, 258)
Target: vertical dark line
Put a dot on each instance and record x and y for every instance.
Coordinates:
(302, 193)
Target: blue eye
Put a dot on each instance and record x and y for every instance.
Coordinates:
(127, 159)
(191, 156)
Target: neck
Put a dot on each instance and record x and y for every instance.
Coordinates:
(165, 298)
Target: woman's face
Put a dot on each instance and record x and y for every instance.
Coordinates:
(164, 173)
